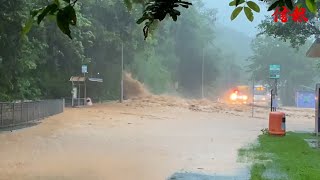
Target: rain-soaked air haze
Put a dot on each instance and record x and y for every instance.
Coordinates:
(241, 23)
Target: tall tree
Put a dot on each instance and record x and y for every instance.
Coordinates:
(296, 33)
(39, 64)
(296, 69)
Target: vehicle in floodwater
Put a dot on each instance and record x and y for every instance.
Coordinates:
(261, 95)
(239, 95)
(244, 94)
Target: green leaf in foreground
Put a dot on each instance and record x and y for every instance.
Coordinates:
(140, 20)
(63, 23)
(49, 8)
(289, 4)
(273, 6)
(311, 5)
(233, 3)
(70, 13)
(236, 12)
(248, 13)
(35, 12)
(174, 17)
(239, 2)
(253, 6)
(27, 27)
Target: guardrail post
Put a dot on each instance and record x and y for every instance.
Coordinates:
(27, 112)
(47, 108)
(33, 111)
(1, 111)
(21, 112)
(44, 109)
(63, 104)
(39, 117)
(12, 113)
(44, 104)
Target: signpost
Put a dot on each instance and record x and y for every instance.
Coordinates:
(84, 70)
(274, 73)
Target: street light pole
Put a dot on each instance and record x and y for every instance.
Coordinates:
(202, 73)
(121, 93)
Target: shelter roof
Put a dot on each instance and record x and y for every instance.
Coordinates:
(77, 79)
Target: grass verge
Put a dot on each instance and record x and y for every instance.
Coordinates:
(289, 157)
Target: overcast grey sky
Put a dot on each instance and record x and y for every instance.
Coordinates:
(241, 23)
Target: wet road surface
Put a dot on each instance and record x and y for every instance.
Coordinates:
(118, 142)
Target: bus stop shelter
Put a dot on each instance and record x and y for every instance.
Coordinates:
(79, 89)
(78, 83)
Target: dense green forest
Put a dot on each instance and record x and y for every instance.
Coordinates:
(40, 64)
(296, 69)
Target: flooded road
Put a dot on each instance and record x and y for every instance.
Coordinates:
(124, 142)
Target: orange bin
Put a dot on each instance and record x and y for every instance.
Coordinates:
(277, 123)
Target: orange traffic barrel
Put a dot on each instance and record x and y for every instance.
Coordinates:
(277, 123)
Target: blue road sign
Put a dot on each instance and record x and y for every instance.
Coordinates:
(84, 69)
(305, 99)
(274, 71)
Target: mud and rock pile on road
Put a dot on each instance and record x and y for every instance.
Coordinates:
(201, 105)
(137, 95)
(132, 88)
(159, 100)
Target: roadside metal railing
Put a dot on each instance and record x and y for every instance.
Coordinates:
(76, 102)
(79, 102)
(18, 113)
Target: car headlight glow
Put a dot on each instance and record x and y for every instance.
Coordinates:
(233, 96)
(244, 97)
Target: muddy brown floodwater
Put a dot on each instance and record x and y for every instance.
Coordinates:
(138, 140)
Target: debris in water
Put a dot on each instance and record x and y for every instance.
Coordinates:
(132, 88)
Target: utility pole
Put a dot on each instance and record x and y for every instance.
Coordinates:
(202, 73)
(252, 94)
(85, 89)
(271, 100)
(276, 95)
(276, 87)
(121, 93)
